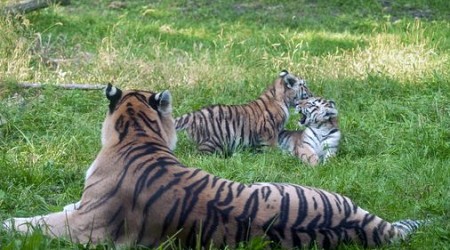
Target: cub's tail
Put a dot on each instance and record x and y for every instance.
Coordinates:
(183, 121)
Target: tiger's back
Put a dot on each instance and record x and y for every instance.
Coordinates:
(224, 128)
(137, 192)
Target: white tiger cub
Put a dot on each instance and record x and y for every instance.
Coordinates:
(320, 139)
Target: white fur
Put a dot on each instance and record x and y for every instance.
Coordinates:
(283, 73)
(113, 91)
(157, 96)
(325, 145)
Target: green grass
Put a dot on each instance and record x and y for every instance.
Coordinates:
(385, 63)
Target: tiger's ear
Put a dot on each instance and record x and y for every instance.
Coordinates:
(113, 94)
(283, 73)
(332, 103)
(288, 79)
(331, 111)
(162, 102)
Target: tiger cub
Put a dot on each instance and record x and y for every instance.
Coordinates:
(224, 128)
(320, 139)
(137, 192)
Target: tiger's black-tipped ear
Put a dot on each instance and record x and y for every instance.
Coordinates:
(288, 79)
(162, 102)
(331, 111)
(283, 73)
(113, 94)
(165, 102)
(332, 103)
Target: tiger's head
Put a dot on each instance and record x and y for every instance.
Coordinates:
(295, 88)
(316, 111)
(135, 115)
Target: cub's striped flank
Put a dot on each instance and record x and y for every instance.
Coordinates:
(225, 128)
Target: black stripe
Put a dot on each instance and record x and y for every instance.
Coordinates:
(265, 192)
(191, 241)
(230, 196)
(143, 179)
(121, 126)
(245, 219)
(120, 230)
(302, 213)
(281, 224)
(338, 202)
(116, 215)
(156, 194)
(191, 198)
(312, 229)
(240, 188)
(327, 210)
(361, 231)
(169, 218)
(217, 212)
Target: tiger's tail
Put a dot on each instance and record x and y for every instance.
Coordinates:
(183, 122)
(395, 232)
(406, 227)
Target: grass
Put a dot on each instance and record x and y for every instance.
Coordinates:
(385, 63)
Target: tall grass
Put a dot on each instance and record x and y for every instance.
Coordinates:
(385, 63)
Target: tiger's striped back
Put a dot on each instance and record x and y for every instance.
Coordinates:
(139, 193)
(320, 138)
(224, 128)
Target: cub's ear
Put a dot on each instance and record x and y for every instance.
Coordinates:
(113, 94)
(289, 79)
(162, 102)
(283, 73)
(332, 103)
(331, 111)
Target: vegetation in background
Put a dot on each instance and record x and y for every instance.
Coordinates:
(385, 63)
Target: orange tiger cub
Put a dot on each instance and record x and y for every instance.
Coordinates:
(320, 139)
(224, 128)
(137, 192)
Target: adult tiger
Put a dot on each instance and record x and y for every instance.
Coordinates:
(320, 139)
(137, 192)
(224, 128)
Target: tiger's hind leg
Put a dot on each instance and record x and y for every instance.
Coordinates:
(209, 147)
(306, 155)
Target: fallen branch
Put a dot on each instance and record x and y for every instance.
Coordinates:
(63, 86)
(32, 5)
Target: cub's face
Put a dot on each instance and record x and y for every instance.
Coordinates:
(295, 88)
(316, 110)
(133, 114)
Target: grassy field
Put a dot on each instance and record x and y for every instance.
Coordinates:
(385, 63)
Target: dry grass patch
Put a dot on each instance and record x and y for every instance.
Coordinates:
(385, 55)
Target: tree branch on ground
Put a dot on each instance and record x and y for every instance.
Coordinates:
(31, 5)
(63, 86)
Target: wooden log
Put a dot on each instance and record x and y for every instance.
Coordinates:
(31, 5)
(63, 86)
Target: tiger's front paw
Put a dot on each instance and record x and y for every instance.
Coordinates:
(8, 224)
(17, 224)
